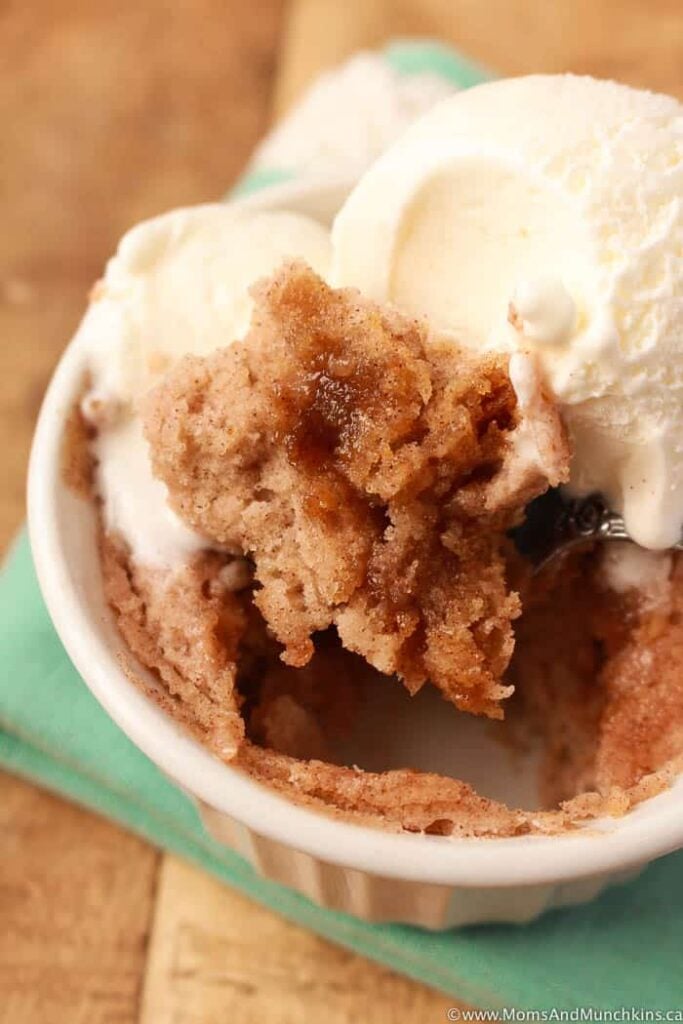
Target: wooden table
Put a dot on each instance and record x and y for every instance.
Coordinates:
(112, 110)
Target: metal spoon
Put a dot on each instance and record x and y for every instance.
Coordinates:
(555, 524)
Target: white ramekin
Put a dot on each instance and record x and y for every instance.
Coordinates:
(431, 881)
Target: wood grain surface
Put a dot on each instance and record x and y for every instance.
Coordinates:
(216, 958)
(112, 110)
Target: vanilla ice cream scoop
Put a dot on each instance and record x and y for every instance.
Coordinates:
(546, 214)
(178, 284)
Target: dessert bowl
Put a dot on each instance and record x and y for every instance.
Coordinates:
(432, 881)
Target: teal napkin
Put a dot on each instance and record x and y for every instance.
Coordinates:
(622, 950)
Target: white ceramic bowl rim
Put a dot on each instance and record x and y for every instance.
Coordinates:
(650, 830)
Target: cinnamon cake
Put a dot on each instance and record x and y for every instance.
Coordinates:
(356, 479)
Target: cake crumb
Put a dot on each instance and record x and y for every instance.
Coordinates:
(76, 458)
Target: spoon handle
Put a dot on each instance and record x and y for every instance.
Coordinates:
(555, 524)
